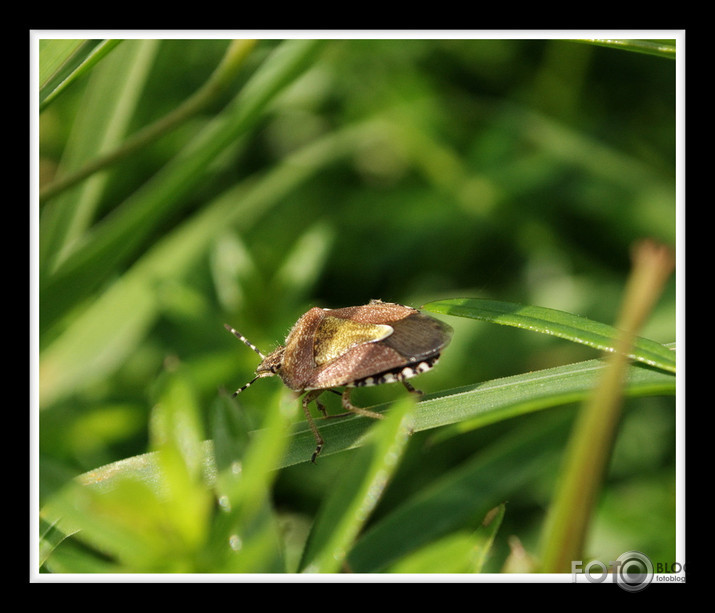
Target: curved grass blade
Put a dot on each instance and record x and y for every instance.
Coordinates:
(480, 404)
(467, 407)
(557, 323)
(476, 406)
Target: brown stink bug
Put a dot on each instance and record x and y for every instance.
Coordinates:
(380, 342)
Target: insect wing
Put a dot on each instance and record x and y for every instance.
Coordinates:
(415, 338)
(418, 337)
(359, 362)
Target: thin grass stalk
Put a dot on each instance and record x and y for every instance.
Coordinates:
(232, 61)
(589, 450)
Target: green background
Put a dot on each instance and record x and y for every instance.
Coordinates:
(329, 174)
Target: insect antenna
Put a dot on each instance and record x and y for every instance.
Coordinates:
(240, 389)
(240, 337)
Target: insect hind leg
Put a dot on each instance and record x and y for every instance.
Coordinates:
(411, 389)
(349, 406)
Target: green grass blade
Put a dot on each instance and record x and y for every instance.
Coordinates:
(119, 82)
(485, 535)
(304, 263)
(203, 97)
(358, 488)
(480, 404)
(557, 323)
(120, 522)
(50, 538)
(177, 436)
(53, 54)
(461, 497)
(117, 239)
(455, 553)
(154, 518)
(62, 62)
(245, 535)
(590, 446)
(465, 408)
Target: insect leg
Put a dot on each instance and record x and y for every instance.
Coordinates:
(307, 399)
(411, 389)
(348, 406)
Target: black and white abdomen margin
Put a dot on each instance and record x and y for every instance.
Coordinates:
(398, 374)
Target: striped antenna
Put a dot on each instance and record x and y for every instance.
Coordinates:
(240, 389)
(240, 337)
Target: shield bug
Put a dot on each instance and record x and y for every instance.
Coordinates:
(380, 342)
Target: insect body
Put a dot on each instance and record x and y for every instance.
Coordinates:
(380, 342)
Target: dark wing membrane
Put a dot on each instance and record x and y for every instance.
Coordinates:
(418, 337)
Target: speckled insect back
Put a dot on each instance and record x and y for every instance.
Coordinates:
(380, 342)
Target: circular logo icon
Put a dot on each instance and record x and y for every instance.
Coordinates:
(634, 572)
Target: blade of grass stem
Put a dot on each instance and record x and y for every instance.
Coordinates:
(590, 446)
(230, 64)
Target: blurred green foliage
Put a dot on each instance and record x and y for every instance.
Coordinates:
(329, 173)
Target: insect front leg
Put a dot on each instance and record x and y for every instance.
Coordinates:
(307, 399)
